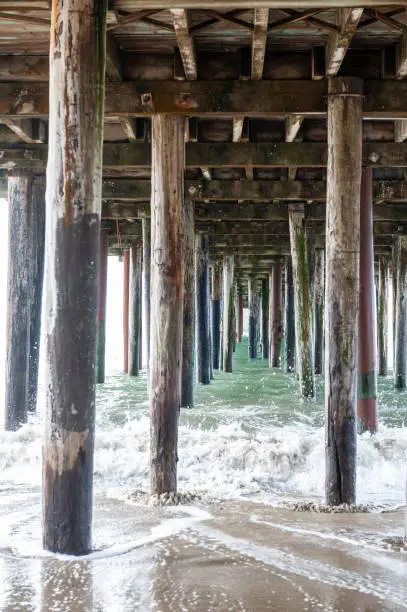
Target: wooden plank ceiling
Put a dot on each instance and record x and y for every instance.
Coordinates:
(252, 83)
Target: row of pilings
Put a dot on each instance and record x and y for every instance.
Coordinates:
(73, 229)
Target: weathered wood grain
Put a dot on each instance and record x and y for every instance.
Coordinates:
(74, 185)
(203, 355)
(167, 289)
(188, 338)
(134, 346)
(342, 288)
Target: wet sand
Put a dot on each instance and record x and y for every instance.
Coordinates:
(228, 556)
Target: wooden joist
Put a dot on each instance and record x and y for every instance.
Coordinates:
(185, 42)
(259, 41)
(338, 42)
(382, 99)
(279, 4)
(30, 131)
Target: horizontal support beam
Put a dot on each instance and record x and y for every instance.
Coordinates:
(382, 99)
(247, 211)
(122, 156)
(243, 4)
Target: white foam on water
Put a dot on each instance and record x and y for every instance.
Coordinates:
(226, 461)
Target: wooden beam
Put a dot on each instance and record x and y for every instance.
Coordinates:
(383, 99)
(400, 130)
(277, 4)
(128, 156)
(338, 42)
(259, 41)
(401, 70)
(185, 42)
(31, 131)
(292, 127)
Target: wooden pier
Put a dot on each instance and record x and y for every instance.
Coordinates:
(236, 155)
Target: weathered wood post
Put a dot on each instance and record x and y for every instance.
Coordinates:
(146, 232)
(37, 263)
(366, 404)
(134, 310)
(102, 293)
(216, 313)
(239, 317)
(254, 315)
(275, 315)
(400, 339)
(382, 314)
(289, 319)
(302, 300)
(318, 304)
(188, 335)
(126, 299)
(342, 286)
(202, 309)
(74, 184)
(265, 299)
(234, 317)
(228, 306)
(18, 300)
(167, 289)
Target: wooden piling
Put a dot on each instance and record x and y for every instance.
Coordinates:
(366, 404)
(382, 314)
(228, 306)
(265, 318)
(342, 286)
(276, 315)
(400, 339)
(302, 300)
(146, 230)
(239, 317)
(74, 183)
(318, 305)
(18, 300)
(202, 309)
(126, 299)
(216, 313)
(37, 281)
(188, 336)
(289, 319)
(254, 316)
(167, 288)
(102, 293)
(134, 310)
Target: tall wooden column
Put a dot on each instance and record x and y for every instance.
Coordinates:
(302, 300)
(318, 304)
(254, 316)
(74, 184)
(167, 289)
(289, 319)
(239, 317)
(382, 314)
(228, 306)
(146, 230)
(126, 300)
(37, 263)
(276, 315)
(202, 309)
(216, 314)
(400, 339)
(342, 286)
(135, 310)
(366, 405)
(18, 300)
(265, 300)
(102, 293)
(188, 335)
